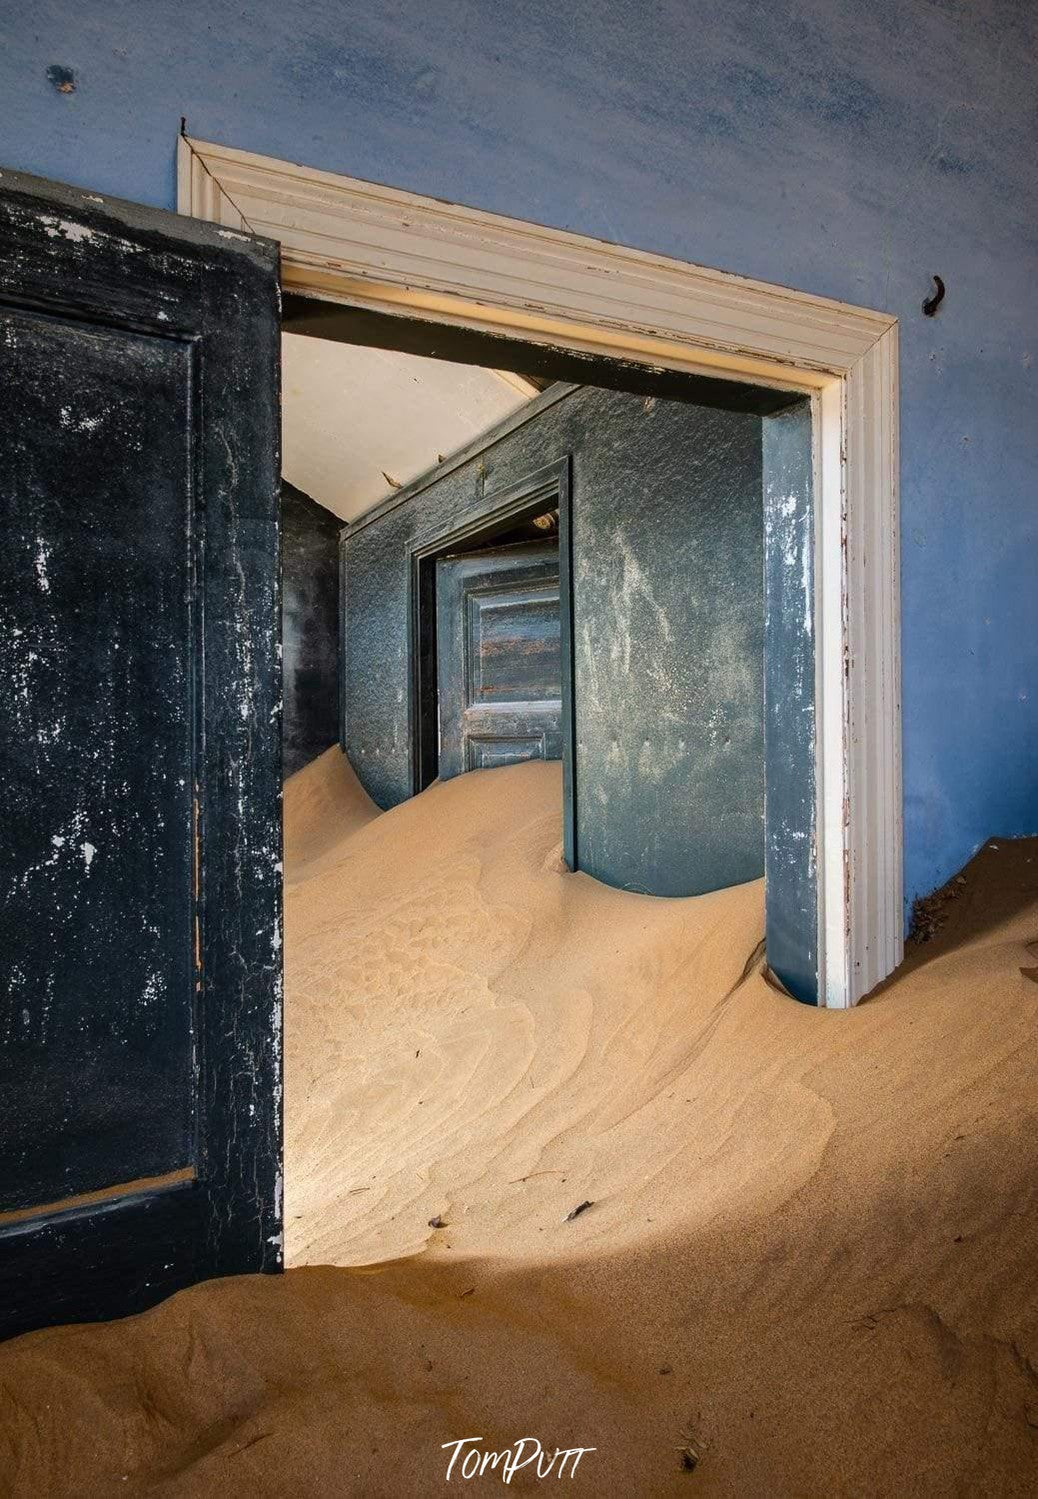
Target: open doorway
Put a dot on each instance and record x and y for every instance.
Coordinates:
(206, 954)
(582, 582)
(448, 276)
(551, 638)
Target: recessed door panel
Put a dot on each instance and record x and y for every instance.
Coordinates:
(96, 619)
(513, 643)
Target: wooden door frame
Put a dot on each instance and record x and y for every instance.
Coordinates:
(386, 251)
(520, 500)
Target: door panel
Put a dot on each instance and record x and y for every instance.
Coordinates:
(485, 752)
(668, 602)
(513, 638)
(139, 879)
(97, 624)
(498, 657)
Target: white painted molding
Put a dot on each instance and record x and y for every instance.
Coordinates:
(196, 185)
(399, 253)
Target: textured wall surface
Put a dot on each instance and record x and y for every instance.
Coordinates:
(668, 648)
(309, 628)
(841, 148)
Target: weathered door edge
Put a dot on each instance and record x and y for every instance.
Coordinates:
(790, 821)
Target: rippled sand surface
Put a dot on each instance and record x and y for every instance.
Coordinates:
(808, 1263)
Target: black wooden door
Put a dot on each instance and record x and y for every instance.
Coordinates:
(140, 876)
(498, 657)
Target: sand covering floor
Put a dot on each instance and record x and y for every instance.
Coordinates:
(811, 1261)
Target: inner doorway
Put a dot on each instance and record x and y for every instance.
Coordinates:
(548, 295)
(661, 701)
(430, 891)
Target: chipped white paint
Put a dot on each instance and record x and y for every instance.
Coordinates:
(78, 423)
(154, 988)
(397, 252)
(41, 560)
(66, 229)
(88, 851)
(59, 841)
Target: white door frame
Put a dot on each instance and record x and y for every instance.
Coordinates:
(397, 252)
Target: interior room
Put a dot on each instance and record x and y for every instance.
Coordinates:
(481, 570)
(452, 582)
(519, 887)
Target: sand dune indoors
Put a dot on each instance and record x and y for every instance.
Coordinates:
(808, 1263)
(323, 804)
(476, 1035)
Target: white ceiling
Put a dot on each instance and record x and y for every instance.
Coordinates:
(359, 422)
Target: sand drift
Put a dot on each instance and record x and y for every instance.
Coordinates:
(564, 1167)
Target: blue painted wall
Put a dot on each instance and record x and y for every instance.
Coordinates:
(844, 148)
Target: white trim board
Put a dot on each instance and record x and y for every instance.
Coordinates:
(397, 252)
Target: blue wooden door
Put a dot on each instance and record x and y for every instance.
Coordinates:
(498, 657)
